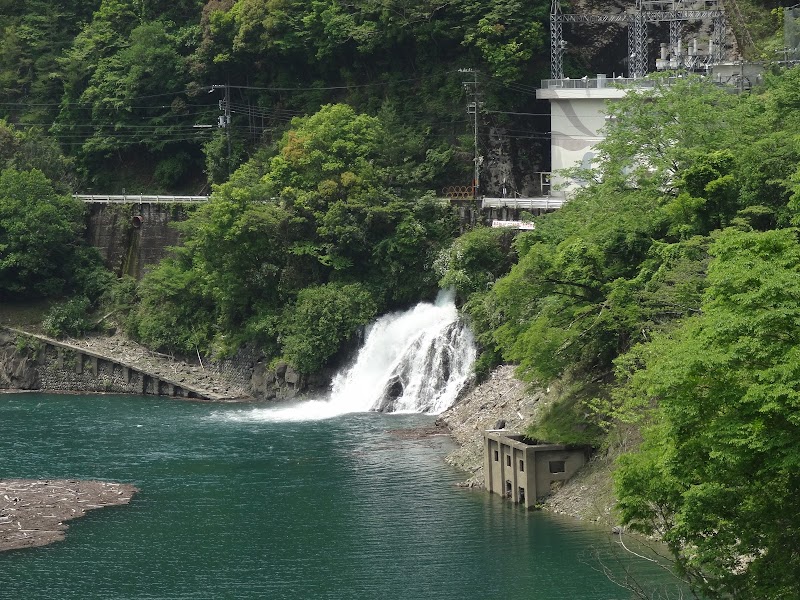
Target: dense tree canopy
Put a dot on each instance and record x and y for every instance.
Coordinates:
(718, 474)
(123, 84)
(667, 290)
(40, 236)
(317, 226)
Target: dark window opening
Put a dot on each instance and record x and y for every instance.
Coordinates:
(557, 466)
(496, 455)
(508, 461)
(521, 465)
(508, 489)
(522, 495)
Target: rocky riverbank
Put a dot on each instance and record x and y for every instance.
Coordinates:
(500, 400)
(33, 512)
(503, 401)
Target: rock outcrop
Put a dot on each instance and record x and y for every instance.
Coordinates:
(18, 365)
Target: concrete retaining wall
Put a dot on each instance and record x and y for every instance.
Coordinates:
(34, 362)
(133, 237)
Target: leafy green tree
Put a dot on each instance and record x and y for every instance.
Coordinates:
(28, 149)
(69, 318)
(717, 475)
(319, 219)
(40, 232)
(475, 260)
(173, 313)
(322, 320)
(507, 35)
(654, 134)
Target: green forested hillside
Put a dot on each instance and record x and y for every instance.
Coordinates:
(122, 84)
(666, 290)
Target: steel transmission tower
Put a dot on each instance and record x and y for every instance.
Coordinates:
(674, 12)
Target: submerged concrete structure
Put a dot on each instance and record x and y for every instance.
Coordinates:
(525, 470)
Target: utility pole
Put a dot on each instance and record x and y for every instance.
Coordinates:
(472, 109)
(225, 118)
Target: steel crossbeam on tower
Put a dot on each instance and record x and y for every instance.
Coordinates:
(637, 20)
(658, 16)
(593, 18)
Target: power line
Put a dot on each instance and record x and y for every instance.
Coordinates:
(339, 87)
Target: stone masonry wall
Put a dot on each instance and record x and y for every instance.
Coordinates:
(28, 362)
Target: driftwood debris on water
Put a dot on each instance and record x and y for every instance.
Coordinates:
(33, 511)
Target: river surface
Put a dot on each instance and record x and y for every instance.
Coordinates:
(236, 505)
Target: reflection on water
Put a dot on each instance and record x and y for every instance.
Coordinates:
(333, 509)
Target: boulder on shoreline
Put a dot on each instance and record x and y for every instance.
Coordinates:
(33, 511)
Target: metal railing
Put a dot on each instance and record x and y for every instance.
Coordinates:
(139, 199)
(544, 203)
(593, 83)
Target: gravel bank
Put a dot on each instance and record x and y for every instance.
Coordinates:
(502, 397)
(587, 496)
(32, 512)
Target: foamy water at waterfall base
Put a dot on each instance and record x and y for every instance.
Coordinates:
(416, 361)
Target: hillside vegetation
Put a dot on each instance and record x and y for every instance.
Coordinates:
(122, 84)
(670, 286)
(666, 290)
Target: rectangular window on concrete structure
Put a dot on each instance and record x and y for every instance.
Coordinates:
(522, 495)
(508, 461)
(521, 465)
(557, 466)
(496, 456)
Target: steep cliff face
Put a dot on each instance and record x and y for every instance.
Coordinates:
(18, 364)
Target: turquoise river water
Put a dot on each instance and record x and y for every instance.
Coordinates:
(236, 505)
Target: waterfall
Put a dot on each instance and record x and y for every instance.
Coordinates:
(416, 361)
(413, 361)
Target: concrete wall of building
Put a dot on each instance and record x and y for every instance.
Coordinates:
(547, 481)
(577, 119)
(133, 237)
(521, 471)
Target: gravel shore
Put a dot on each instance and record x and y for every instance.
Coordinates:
(503, 399)
(33, 512)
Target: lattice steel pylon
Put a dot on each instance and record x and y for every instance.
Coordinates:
(639, 56)
(675, 32)
(675, 12)
(718, 35)
(556, 41)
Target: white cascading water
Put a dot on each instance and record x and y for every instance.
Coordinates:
(415, 361)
